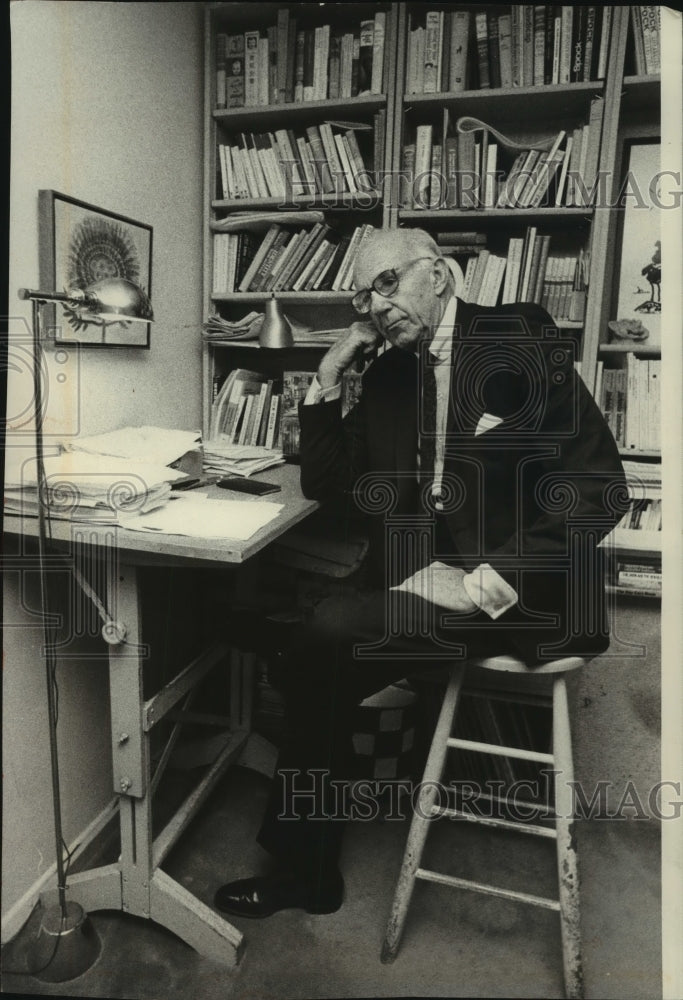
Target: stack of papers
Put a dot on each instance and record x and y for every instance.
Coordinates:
(80, 486)
(154, 445)
(247, 328)
(199, 517)
(223, 458)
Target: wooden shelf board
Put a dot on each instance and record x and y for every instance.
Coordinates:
(565, 98)
(611, 588)
(254, 344)
(651, 350)
(329, 298)
(494, 214)
(639, 453)
(241, 117)
(343, 201)
(642, 92)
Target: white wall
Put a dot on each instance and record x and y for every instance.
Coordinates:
(106, 108)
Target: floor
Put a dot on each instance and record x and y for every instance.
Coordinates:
(456, 944)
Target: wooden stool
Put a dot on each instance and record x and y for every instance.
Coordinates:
(560, 759)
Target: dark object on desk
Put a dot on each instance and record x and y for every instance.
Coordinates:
(193, 483)
(253, 486)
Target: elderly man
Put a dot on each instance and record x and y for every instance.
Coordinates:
(487, 476)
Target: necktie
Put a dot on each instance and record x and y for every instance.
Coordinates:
(427, 420)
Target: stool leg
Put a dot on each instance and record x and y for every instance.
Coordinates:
(420, 822)
(567, 857)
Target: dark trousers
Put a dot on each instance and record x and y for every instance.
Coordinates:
(325, 674)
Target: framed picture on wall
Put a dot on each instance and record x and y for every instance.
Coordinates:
(638, 306)
(79, 245)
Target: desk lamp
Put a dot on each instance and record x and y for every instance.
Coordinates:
(67, 943)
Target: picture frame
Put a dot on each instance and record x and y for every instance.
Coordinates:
(637, 293)
(80, 244)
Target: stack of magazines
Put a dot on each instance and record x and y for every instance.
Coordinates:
(247, 328)
(222, 457)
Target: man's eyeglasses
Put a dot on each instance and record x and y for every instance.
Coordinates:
(384, 284)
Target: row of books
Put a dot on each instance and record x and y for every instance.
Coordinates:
(307, 259)
(288, 64)
(282, 164)
(630, 400)
(251, 409)
(645, 23)
(644, 514)
(529, 274)
(639, 578)
(529, 45)
(465, 171)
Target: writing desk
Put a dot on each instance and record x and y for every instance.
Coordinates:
(136, 883)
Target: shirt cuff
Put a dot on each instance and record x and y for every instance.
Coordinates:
(316, 394)
(489, 591)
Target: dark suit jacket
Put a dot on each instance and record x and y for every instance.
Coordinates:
(532, 497)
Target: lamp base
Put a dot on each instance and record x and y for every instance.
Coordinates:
(67, 946)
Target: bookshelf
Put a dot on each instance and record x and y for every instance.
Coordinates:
(627, 91)
(341, 208)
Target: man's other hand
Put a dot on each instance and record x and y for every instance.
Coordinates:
(358, 344)
(442, 585)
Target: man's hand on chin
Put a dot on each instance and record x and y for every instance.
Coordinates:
(440, 584)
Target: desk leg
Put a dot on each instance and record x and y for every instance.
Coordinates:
(133, 885)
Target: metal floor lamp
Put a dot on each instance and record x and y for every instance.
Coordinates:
(67, 943)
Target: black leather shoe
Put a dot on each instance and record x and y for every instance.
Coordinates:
(264, 895)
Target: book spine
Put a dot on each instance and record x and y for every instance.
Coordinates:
(407, 178)
(431, 53)
(505, 49)
(355, 66)
(273, 94)
(451, 171)
(261, 252)
(423, 159)
(528, 26)
(436, 192)
(309, 63)
(591, 20)
(271, 431)
(365, 56)
(235, 71)
(299, 66)
(360, 171)
(539, 44)
(251, 68)
(221, 69)
(321, 165)
(445, 51)
(481, 26)
(494, 51)
(605, 31)
(263, 70)
(282, 36)
(578, 42)
(460, 31)
(291, 60)
(345, 166)
(566, 43)
(335, 67)
(378, 52)
(517, 42)
(638, 44)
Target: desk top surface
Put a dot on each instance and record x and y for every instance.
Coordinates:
(141, 548)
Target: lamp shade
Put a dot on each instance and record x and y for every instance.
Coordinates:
(118, 299)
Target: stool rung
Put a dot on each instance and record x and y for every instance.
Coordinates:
(500, 824)
(499, 751)
(488, 890)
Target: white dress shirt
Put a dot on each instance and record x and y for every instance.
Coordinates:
(484, 586)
